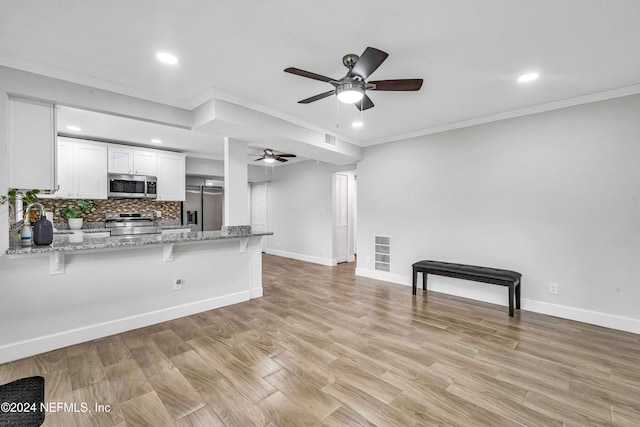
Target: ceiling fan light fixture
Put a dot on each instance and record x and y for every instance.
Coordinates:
(269, 160)
(350, 93)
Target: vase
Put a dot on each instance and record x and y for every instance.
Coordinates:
(75, 223)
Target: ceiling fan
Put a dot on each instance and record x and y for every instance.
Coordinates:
(351, 89)
(270, 156)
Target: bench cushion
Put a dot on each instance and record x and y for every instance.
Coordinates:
(472, 270)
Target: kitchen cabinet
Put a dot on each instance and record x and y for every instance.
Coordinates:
(127, 160)
(82, 167)
(90, 171)
(65, 170)
(32, 145)
(171, 176)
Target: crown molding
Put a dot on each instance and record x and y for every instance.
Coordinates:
(535, 109)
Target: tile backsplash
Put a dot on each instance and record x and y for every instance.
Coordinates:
(170, 210)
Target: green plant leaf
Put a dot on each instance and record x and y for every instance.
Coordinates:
(81, 208)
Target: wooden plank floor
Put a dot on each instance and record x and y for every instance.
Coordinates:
(323, 347)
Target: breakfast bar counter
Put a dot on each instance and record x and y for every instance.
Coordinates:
(85, 286)
(88, 241)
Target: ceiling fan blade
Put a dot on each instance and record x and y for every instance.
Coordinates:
(310, 75)
(317, 97)
(257, 160)
(369, 61)
(281, 159)
(395, 85)
(285, 155)
(365, 104)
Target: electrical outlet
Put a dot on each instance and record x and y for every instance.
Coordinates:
(553, 288)
(177, 284)
(158, 214)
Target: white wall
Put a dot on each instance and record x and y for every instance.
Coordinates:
(555, 196)
(299, 211)
(110, 291)
(236, 183)
(204, 167)
(210, 167)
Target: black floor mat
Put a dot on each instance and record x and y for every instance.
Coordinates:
(21, 402)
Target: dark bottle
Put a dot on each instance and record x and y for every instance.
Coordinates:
(43, 232)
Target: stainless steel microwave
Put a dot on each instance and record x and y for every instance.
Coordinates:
(133, 186)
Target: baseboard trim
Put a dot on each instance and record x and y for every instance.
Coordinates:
(256, 292)
(606, 320)
(384, 276)
(301, 257)
(21, 349)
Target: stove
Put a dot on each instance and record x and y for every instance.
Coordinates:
(131, 223)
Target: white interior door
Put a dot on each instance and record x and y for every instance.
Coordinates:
(341, 218)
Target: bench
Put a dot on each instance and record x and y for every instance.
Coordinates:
(494, 276)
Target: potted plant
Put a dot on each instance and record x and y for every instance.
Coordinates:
(74, 213)
(17, 202)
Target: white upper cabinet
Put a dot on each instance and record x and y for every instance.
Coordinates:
(144, 162)
(65, 170)
(82, 169)
(132, 161)
(32, 145)
(90, 170)
(171, 176)
(120, 159)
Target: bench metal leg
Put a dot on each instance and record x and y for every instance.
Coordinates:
(415, 279)
(511, 286)
(518, 294)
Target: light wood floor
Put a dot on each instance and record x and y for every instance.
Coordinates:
(323, 347)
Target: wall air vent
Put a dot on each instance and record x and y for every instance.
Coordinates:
(382, 253)
(330, 140)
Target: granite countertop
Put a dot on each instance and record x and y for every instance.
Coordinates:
(102, 229)
(80, 241)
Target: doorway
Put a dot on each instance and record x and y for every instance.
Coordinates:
(344, 218)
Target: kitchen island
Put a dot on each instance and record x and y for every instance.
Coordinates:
(83, 287)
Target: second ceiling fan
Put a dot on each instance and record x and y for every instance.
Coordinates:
(270, 156)
(352, 88)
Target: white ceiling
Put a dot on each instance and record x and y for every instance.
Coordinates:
(468, 52)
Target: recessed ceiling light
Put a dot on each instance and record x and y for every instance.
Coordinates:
(74, 128)
(156, 141)
(167, 58)
(527, 77)
(357, 124)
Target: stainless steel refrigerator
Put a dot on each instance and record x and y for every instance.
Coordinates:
(203, 207)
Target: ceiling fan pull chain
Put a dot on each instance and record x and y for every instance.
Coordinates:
(337, 113)
(361, 115)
